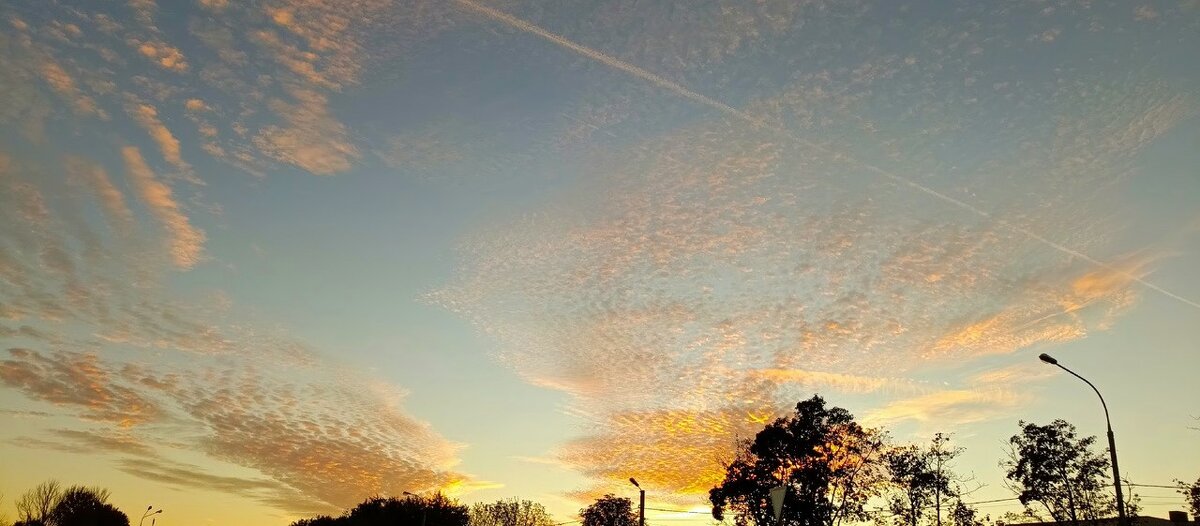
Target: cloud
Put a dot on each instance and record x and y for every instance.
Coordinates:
(651, 444)
(722, 268)
(188, 476)
(65, 85)
(196, 105)
(844, 383)
(186, 241)
(161, 54)
(111, 198)
(147, 116)
(87, 442)
(952, 407)
(329, 439)
(80, 381)
(312, 140)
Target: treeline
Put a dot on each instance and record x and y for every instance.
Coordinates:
(833, 471)
(50, 504)
(829, 467)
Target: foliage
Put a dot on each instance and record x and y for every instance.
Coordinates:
(609, 510)
(1191, 494)
(921, 477)
(962, 514)
(33, 507)
(83, 506)
(912, 473)
(1050, 465)
(435, 510)
(510, 513)
(830, 464)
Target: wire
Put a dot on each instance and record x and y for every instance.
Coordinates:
(680, 511)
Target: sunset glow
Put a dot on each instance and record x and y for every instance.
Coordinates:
(262, 260)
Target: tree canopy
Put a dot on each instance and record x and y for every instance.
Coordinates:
(434, 510)
(826, 460)
(1191, 495)
(48, 504)
(921, 478)
(609, 510)
(510, 513)
(1053, 467)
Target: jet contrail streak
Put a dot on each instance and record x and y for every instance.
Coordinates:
(686, 93)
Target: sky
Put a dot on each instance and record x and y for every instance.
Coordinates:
(262, 259)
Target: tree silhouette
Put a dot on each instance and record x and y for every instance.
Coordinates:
(1050, 465)
(922, 476)
(829, 463)
(963, 515)
(1191, 494)
(83, 506)
(510, 513)
(434, 510)
(33, 506)
(609, 510)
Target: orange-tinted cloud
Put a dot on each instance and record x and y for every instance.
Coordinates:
(312, 139)
(147, 116)
(79, 381)
(186, 241)
(652, 444)
(948, 407)
(65, 85)
(161, 54)
(110, 197)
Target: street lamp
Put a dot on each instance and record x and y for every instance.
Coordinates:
(641, 502)
(424, 509)
(1112, 444)
(148, 513)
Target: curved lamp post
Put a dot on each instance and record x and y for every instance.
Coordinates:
(1112, 444)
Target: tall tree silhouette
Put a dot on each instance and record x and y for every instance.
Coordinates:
(829, 463)
(1052, 466)
(609, 510)
(922, 477)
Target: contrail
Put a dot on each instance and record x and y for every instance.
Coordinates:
(686, 93)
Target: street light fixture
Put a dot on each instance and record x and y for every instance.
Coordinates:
(1112, 444)
(148, 513)
(641, 502)
(424, 510)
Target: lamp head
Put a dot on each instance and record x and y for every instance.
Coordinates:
(1048, 359)
(631, 479)
(148, 507)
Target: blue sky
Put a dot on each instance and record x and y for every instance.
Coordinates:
(534, 248)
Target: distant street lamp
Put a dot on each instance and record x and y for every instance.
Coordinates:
(424, 509)
(1112, 444)
(148, 513)
(641, 502)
